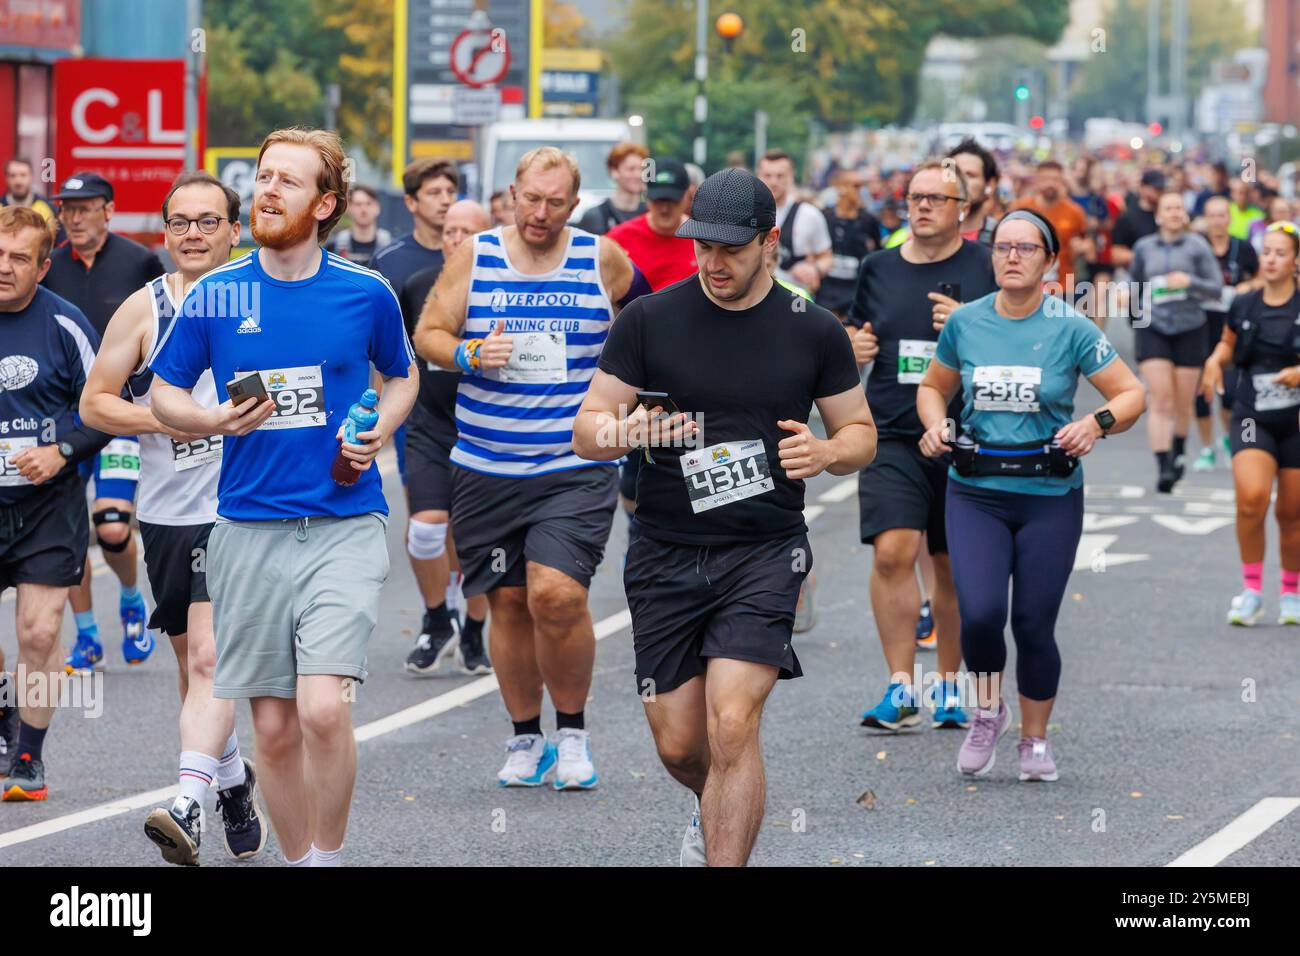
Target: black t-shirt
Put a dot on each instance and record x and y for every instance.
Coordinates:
(403, 258)
(121, 267)
(435, 408)
(1276, 337)
(738, 373)
(892, 295)
(603, 217)
(1238, 262)
(1132, 225)
(852, 240)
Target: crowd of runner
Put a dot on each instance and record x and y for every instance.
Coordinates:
(661, 355)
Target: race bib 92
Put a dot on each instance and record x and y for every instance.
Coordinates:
(725, 473)
(299, 396)
(9, 475)
(1006, 388)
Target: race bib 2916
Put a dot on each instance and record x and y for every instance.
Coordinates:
(1006, 388)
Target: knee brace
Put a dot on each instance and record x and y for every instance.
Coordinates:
(425, 540)
(112, 516)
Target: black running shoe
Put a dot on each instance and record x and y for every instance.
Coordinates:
(435, 647)
(240, 821)
(178, 832)
(1167, 477)
(471, 653)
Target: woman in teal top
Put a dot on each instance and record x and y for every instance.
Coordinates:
(1014, 509)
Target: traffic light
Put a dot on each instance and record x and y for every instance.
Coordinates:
(1022, 91)
(1036, 122)
(1154, 128)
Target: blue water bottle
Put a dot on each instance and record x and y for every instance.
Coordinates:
(362, 417)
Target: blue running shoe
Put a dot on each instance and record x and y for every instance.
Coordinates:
(529, 758)
(895, 711)
(85, 654)
(137, 641)
(947, 707)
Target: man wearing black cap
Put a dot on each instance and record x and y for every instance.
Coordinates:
(651, 238)
(97, 270)
(1138, 219)
(719, 547)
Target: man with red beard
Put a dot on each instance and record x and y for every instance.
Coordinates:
(304, 326)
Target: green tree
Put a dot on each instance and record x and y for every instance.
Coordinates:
(853, 62)
(1114, 82)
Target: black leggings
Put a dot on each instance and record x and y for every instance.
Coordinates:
(1030, 540)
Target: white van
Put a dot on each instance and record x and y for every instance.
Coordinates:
(587, 140)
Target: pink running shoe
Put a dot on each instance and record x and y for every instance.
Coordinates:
(1036, 761)
(979, 749)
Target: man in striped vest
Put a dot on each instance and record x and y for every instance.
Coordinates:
(523, 311)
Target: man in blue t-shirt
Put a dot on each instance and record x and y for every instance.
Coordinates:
(296, 560)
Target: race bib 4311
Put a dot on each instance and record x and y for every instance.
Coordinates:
(725, 473)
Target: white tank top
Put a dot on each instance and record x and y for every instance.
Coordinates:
(178, 482)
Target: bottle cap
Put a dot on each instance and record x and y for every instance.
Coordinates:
(369, 398)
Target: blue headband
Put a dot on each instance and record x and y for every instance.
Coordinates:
(1024, 215)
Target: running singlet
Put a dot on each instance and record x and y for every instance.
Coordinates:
(1019, 377)
(1272, 347)
(312, 341)
(517, 421)
(178, 480)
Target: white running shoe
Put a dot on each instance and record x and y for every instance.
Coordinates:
(529, 758)
(573, 770)
(693, 841)
(1247, 609)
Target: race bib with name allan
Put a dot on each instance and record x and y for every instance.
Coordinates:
(1270, 396)
(1006, 388)
(538, 358)
(9, 475)
(193, 454)
(299, 396)
(914, 356)
(120, 458)
(725, 473)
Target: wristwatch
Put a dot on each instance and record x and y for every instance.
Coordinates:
(65, 450)
(1105, 419)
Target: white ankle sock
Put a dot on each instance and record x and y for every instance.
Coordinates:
(197, 771)
(230, 770)
(326, 857)
(307, 858)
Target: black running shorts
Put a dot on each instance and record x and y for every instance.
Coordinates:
(902, 488)
(43, 538)
(175, 558)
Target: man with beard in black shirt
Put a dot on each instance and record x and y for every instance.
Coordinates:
(718, 543)
(904, 296)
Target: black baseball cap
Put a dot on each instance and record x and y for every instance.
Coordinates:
(1153, 177)
(731, 207)
(85, 186)
(670, 181)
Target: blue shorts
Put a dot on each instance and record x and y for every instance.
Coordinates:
(113, 468)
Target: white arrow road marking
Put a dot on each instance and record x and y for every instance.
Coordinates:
(1096, 522)
(1114, 491)
(1209, 508)
(1181, 525)
(839, 491)
(1091, 544)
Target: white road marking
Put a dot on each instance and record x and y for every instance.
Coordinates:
(1096, 522)
(1181, 525)
(1092, 552)
(1238, 833)
(811, 512)
(840, 491)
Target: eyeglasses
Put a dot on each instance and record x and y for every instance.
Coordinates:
(179, 225)
(933, 199)
(1023, 249)
(76, 212)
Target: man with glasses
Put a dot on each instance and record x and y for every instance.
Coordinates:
(178, 506)
(904, 295)
(97, 270)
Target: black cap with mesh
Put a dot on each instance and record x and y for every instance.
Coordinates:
(730, 208)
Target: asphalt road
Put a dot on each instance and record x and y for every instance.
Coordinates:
(1173, 732)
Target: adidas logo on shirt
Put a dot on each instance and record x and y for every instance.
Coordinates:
(248, 325)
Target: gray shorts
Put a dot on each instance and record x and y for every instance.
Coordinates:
(293, 597)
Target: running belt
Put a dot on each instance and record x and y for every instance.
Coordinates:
(514, 428)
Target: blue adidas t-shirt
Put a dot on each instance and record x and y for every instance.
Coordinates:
(1019, 377)
(313, 342)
